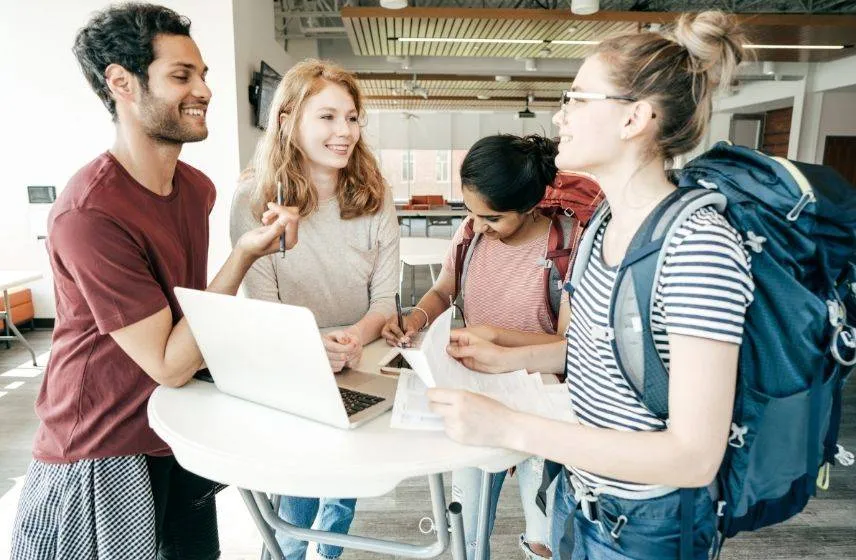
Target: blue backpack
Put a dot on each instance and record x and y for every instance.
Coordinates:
(798, 222)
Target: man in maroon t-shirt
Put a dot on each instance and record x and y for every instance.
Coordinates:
(129, 227)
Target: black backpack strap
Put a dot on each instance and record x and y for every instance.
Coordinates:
(463, 255)
(550, 472)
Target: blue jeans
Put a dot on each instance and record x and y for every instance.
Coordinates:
(466, 489)
(652, 529)
(336, 516)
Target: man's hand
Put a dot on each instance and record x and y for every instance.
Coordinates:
(265, 240)
(476, 353)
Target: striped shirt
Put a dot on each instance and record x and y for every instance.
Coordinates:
(704, 288)
(504, 286)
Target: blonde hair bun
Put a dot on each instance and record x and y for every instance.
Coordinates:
(714, 42)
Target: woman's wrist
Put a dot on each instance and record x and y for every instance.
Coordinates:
(354, 331)
(419, 313)
(514, 436)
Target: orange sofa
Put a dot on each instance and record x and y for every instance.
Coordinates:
(21, 302)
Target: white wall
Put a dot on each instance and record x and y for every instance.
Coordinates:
(254, 41)
(54, 124)
(456, 130)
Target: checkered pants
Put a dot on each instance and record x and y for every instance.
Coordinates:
(90, 509)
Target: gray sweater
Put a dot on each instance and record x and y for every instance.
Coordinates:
(339, 269)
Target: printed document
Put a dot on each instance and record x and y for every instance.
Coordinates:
(433, 367)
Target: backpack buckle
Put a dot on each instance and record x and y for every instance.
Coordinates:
(736, 437)
(847, 339)
(754, 241)
(602, 333)
(844, 457)
(804, 200)
(720, 508)
(619, 525)
(837, 313)
(545, 263)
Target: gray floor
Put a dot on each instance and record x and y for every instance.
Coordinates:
(826, 530)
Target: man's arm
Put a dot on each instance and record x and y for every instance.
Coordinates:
(168, 354)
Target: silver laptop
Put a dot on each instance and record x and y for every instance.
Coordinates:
(272, 354)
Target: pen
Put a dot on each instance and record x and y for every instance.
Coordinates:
(282, 235)
(398, 311)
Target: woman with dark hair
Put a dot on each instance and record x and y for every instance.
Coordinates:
(503, 177)
(635, 104)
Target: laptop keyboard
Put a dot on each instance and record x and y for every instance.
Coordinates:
(356, 401)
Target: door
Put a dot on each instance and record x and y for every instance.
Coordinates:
(777, 132)
(840, 154)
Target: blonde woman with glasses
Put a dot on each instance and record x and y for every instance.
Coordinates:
(638, 102)
(345, 265)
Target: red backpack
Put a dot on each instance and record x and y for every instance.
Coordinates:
(569, 202)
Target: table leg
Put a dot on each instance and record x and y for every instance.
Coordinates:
(483, 536)
(11, 325)
(456, 523)
(275, 501)
(267, 534)
(267, 521)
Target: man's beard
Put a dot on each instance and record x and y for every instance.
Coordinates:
(161, 123)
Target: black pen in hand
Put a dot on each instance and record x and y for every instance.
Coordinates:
(282, 235)
(400, 318)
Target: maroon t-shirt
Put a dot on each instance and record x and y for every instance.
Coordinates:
(117, 251)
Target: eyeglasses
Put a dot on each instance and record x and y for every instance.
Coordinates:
(569, 96)
(572, 97)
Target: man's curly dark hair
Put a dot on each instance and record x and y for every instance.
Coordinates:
(123, 34)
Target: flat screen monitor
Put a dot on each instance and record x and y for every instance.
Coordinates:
(262, 89)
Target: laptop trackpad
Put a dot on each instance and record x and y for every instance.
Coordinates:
(366, 383)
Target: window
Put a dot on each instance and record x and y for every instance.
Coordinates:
(407, 166)
(441, 167)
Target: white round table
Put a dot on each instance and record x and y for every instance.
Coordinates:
(261, 450)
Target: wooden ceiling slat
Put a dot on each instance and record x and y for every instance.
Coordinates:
(497, 31)
(467, 49)
(389, 47)
(362, 30)
(467, 29)
(450, 29)
(375, 34)
(352, 36)
(423, 49)
(513, 31)
(398, 24)
(407, 31)
(366, 33)
(433, 30)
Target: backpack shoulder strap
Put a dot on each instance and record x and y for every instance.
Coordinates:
(632, 301)
(585, 245)
(463, 256)
(562, 241)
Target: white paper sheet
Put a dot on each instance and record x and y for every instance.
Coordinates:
(434, 367)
